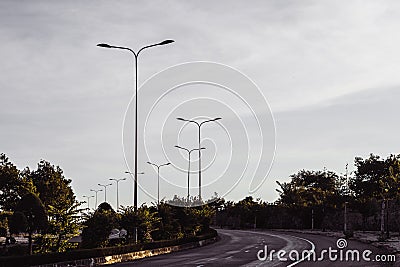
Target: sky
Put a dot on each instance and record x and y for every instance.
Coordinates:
(318, 79)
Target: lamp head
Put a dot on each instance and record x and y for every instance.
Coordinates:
(104, 45)
(166, 42)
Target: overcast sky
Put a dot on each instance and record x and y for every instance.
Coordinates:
(328, 69)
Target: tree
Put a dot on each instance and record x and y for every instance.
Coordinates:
(65, 225)
(52, 187)
(169, 226)
(98, 226)
(309, 188)
(145, 220)
(317, 191)
(370, 173)
(30, 216)
(59, 199)
(13, 184)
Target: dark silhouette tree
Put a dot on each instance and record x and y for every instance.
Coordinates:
(29, 216)
(105, 207)
(98, 226)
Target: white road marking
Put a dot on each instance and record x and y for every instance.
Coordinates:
(312, 249)
(289, 246)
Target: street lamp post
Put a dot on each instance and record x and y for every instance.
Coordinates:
(345, 200)
(133, 175)
(158, 178)
(136, 55)
(117, 181)
(188, 172)
(199, 140)
(96, 191)
(135, 228)
(88, 201)
(105, 190)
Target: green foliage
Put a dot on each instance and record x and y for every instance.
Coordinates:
(169, 227)
(63, 226)
(52, 187)
(13, 184)
(56, 193)
(309, 189)
(145, 219)
(97, 228)
(4, 222)
(376, 177)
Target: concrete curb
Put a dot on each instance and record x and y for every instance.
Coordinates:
(111, 259)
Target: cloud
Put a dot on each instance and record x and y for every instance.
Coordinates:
(328, 70)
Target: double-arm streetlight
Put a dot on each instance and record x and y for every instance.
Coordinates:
(88, 200)
(199, 140)
(188, 172)
(136, 55)
(96, 191)
(105, 190)
(117, 181)
(158, 178)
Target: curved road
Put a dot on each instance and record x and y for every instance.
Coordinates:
(240, 248)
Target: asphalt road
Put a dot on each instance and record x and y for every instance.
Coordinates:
(240, 248)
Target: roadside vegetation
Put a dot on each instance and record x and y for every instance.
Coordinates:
(41, 205)
(317, 198)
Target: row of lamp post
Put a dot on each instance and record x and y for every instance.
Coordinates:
(198, 124)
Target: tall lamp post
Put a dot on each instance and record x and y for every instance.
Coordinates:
(136, 55)
(135, 228)
(188, 172)
(199, 140)
(133, 175)
(117, 181)
(158, 178)
(88, 201)
(105, 190)
(96, 191)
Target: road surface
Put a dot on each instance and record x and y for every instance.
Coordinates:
(240, 248)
